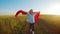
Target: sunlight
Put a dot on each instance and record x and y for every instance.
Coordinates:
(54, 9)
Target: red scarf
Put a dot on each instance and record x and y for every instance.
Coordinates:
(24, 13)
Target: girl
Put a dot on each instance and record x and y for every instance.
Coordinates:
(32, 17)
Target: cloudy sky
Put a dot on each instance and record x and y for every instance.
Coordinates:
(10, 7)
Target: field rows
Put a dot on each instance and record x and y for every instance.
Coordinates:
(46, 25)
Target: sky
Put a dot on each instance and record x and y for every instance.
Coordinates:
(10, 7)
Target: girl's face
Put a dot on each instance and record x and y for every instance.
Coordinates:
(31, 12)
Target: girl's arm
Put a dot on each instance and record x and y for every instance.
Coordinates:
(20, 11)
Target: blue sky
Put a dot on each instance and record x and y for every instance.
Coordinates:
(10, 7)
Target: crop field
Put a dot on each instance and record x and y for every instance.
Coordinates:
(47, 24)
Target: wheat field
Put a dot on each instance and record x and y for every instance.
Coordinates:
(47, 24)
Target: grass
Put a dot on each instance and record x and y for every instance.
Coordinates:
(47, 24)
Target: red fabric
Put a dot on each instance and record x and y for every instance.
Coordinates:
(20, 11)
(36, 17)
(24, 13)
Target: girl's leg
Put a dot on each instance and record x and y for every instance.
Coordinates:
(32, 28)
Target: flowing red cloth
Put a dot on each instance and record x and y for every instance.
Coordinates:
(36, 17)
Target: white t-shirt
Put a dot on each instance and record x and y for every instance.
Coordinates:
(30, 18)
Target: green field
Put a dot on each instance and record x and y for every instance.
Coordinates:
(47, 24)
